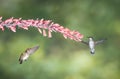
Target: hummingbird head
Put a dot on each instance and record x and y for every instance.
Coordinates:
(90, 37)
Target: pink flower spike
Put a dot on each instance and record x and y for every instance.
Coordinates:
(42, 25)
(44, 32)
(49, 34)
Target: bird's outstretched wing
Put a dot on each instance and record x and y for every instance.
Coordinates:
(84, 42)
(20, 56)
(32, 50)
(99, 42)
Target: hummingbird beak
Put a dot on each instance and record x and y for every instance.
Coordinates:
(21, 61)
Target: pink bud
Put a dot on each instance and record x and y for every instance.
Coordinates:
(39, 30)
(49, 34)
(64, 36)
(13, 28)
(44, 32)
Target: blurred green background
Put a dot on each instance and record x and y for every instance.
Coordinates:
(58, 58)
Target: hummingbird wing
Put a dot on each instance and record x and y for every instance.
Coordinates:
(20, 56)
(84, 42)
(100, 41)
(32, 50)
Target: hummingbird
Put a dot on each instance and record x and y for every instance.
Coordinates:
(91, 43)
(25, 55)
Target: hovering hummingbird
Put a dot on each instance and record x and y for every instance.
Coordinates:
(91, 43)
(25, 55)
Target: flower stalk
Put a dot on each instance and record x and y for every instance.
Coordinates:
(42, 26)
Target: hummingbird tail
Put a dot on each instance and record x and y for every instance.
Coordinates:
(92, 52)
(20, 62)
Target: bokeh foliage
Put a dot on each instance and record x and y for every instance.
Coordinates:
(58, 58)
